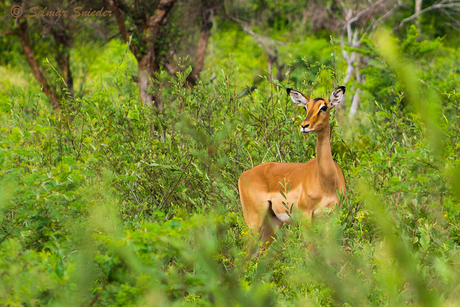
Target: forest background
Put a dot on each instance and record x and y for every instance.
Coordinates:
(124, 126)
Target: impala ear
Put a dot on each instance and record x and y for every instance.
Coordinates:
(297, 97)
(337, 96)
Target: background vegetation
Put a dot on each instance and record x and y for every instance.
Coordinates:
(107, 201)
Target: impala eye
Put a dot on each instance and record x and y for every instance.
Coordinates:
(323, 108)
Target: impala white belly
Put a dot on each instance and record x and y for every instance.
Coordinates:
(280, 209)
(284, 217)
(293, 198)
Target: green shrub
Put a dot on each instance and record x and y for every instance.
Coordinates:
(123, 206)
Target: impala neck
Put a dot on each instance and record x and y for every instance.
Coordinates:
(327, 171)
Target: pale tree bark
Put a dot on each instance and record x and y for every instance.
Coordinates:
(355, 100)
(418, 8)
(444, 5)
(352, 60)
(353, 42)
(352, 32)
(368, 19)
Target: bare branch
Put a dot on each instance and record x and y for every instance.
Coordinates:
(363, 12)
(382, 18)
(171, 69)
(441, 5)
(269, 45)
(119, 19)
(110, 38)
(55, 23)
(266, 43)
(160, 14)
(12, 32)
(153, 26)
(455, 23)
(350, 57)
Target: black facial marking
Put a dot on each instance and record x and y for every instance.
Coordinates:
(316, 99)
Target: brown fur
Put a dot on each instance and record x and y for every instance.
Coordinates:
(315, 184)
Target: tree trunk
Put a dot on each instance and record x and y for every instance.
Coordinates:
(62, 39)
(355, 103)
(279, 72)
(145, 70)
(144, 83)
(356, 99)
(418, 8)
(350, 57)
(32, 61)
(147, 61)
(205, 33)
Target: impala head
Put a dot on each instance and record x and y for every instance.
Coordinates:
(318, 109)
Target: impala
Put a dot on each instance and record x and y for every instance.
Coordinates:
(314, 186)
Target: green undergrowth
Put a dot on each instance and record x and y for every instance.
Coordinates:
(113, 204)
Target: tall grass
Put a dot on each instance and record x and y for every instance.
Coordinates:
(127, 207)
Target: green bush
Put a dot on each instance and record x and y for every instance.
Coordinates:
(122, 206)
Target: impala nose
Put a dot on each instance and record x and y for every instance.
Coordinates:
(305, 126)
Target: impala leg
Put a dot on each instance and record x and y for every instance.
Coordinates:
(253, 211)
(258, 214)
(307, 219)
(310, 249)
(270, 226)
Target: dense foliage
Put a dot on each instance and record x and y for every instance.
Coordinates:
(110, 203)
